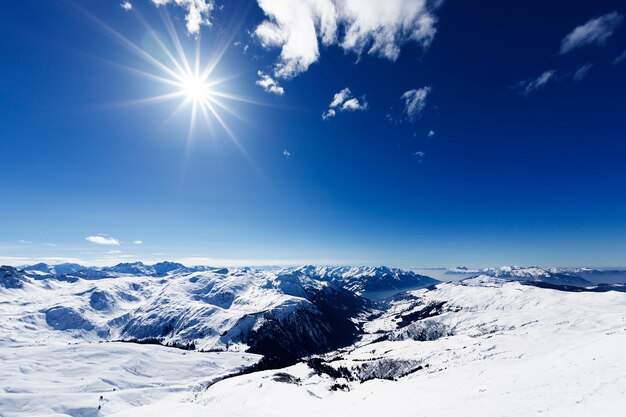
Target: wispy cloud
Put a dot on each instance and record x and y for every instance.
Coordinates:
(431, 134)
(621, 57)
(419, 155)
(138, 242)
(127, 5)
(22, 260)
(198, 12)
(286, 154)
(526, 87)
(269, 84)
(330, 113)
(595, 32)
(582, 72)
(415, 102)
(244, 47)
(375, 27)
(103, 240)
(344, 101)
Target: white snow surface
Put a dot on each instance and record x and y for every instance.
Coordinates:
(515, 350)
(202, 306)
(74, 380)
(497, 348)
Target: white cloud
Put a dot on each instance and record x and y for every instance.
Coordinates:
(103, 240)
(431, 134)
(244, 47)
(269, 84)
(529, 86)
(419, 154)
(621, 57)
(114, 252)
(198, 12)
(286, 154)
(582, 72)
(344, 101)
(415, 102)
(354, 104)
(25, 242)
(298, 27)
(127, 6)
(340, 97)
(375, 27)
(329, 114)
(138, 242)
(595, 32)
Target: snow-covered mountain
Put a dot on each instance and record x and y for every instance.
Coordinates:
(56, 270)
(534, 274)
(499, 333)
(462, 270)
(483, 346)
(11, 277)
(366, 279)
(288, 312)
(358, 279)
(71, 271)
(598, 276)
(133, 268)
(282, 312)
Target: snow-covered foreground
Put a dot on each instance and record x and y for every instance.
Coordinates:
(515, 350)
(77, 379)
(582, 379)
(483, 346)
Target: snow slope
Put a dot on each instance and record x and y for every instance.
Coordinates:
(509, 350)
(75, 380)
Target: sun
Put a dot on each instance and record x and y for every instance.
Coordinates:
(182, 77)
(195, 88)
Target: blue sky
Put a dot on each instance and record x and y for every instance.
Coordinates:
(472, 133)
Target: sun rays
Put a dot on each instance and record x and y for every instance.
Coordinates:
(181, 75)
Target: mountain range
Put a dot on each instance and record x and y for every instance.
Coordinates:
(291, 335)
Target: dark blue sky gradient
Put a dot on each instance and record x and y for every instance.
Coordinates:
(507, 179)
